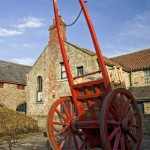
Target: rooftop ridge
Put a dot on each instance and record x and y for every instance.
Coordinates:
(15, 63)
(130, 53)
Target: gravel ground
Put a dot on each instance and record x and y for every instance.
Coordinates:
(39, 142)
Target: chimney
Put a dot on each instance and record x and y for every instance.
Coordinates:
(53, 37)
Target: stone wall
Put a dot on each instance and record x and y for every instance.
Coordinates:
(11, 97)
(38, 110)
(127, 79)
(138, 78)
(146, 124)
(147, 108)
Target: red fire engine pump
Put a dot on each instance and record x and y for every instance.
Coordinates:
(95, 115)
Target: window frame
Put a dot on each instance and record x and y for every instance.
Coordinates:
(79, 69)
(39, 89)
(63, 70)
(147, 75)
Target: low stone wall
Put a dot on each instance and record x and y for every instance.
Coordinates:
(146, 124)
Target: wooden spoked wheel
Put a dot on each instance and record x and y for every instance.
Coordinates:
(61, 126)
(120, 121)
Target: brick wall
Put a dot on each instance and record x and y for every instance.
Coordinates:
(11, 97)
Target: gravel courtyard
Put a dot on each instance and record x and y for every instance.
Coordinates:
(39, 142)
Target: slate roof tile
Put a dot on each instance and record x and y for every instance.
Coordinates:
(13, 72)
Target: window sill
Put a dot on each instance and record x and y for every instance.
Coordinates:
(61, 80)
(39, 102)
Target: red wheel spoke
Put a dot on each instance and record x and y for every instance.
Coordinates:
(79, 135)
(117, 140)
(127, 143)
(113, 133)
(121, 105)
(82, 140)
(65, 109)
(75, 141)
(113, 112)
(58, 123)
(64, 139)
(132, 136)
(82, 144)
(122, 142)
(71, 108)
(60, 114)
(69, 141)
(131, 115)
(127, 107)
(61, 131)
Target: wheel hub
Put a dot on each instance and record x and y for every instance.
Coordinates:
(126, 124)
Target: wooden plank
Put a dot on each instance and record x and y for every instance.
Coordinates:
(95, 95)
(89, 83)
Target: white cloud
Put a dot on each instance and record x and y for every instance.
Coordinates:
(137, 26)
(28, 45)
(17, 45)
(30, 22)
(7, 32)
(25, 61)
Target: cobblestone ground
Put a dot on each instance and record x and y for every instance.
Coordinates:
(39, 142)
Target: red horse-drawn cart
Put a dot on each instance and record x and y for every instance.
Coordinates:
(95, 115)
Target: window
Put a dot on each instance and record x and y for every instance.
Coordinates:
(1, 85)
(63, 71)
(80, 71)
(22, 108)
(39, 89)
(147, 76)
(20, 87)
(141, 107)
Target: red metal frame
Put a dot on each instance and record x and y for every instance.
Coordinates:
(88, 98)
(95, 42)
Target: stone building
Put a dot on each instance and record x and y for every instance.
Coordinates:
(47, 82)
(13, 85)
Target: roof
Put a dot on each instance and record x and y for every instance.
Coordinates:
(108, 61)
(12, 72)
(91, 53)
(141, 93)
(134, 61)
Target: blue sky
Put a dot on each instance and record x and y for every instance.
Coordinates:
(122, 26)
